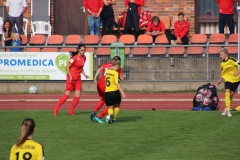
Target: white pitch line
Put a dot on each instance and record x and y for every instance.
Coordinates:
(95, 100)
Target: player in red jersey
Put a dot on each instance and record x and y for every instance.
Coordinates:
(74, 70)
(101, 89)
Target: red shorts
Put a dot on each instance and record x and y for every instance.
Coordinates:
(75, 85)
(101, 88)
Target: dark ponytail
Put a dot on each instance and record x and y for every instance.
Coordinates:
(28, 126)
(72, 54)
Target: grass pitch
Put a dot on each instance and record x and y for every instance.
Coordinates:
(138, 135)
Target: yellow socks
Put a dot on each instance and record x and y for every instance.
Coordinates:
(227, 101)
(110, 111)
(115, 112)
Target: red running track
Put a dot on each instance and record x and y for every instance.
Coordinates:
(158, 101)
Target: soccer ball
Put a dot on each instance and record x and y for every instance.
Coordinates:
(199, 98)
(108, 118)
(203, 91)
(208, 94)
(206, 101)
(32, 89)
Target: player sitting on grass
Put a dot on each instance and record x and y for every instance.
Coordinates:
(113, 91)
(101, 86)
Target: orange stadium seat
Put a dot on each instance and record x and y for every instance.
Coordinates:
(106, 40)
(24, 39)
(50, 50)
(216, 38)
(68, 49)
(91, 40)
(176, 50)
(32, 49)
(197, 39)
(127, 39)
(55, 40)
(161, 39)
(73, 39)
(142, 40)
(233, 38)
(166, 21)
(37, 40)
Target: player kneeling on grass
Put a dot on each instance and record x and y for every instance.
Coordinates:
(231, 76)
(113, 91)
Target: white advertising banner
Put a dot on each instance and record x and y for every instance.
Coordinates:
(39, 65)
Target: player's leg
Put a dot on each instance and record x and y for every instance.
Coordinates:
(109, 102)
(78, 88)
(234, 88)
(116, 106)
(63, 99)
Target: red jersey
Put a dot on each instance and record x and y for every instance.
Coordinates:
(77, 62)
(139, 3)
(93, 5)
(106, 67)
(226, 6)
(181, 29)
(160, 27)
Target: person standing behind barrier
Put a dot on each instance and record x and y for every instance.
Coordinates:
(26, 148)
(113, 91)
(101, 86)
(15, 10)
(231, 75)
(108, 17)
(94, 8)
(74, 70)
(16, 42)
(133, 15)
(7, 34)
(226, 15)
(181, 29)
(155, 27)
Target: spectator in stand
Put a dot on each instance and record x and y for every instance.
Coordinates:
(108, 16)
(16, 42)
(7, 34)
(133, 15)
(94, 8)
(15, 10)
(226, 15)
(155, 27)
(181, 29)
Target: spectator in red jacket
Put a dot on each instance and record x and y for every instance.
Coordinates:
(94, 8)
(226, 15)
(133, 15)
(155, 27)
(181, 29)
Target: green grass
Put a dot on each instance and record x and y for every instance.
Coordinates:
(138, 135)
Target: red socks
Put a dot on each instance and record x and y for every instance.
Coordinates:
(60, 102)
(99, 105)
(103, 113)
(74, 104)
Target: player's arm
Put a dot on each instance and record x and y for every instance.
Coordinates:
(97, 73)
(85, 75)
(118, 85)
(68, 70)
(121, 90)
(40, 153)
(121, 75)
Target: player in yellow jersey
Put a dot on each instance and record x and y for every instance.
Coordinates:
(113, 91)
(230, 74)
(26, 148)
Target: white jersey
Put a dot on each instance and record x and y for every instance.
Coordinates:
(16, 7)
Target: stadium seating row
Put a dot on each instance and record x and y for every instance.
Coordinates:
(161, 40)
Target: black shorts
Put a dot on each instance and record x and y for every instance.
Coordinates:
(112, 98)
(232, 86)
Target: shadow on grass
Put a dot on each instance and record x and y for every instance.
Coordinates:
(128, 119)
(65, 113)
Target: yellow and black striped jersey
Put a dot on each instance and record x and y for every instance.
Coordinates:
(29, 150)
(229, 67)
